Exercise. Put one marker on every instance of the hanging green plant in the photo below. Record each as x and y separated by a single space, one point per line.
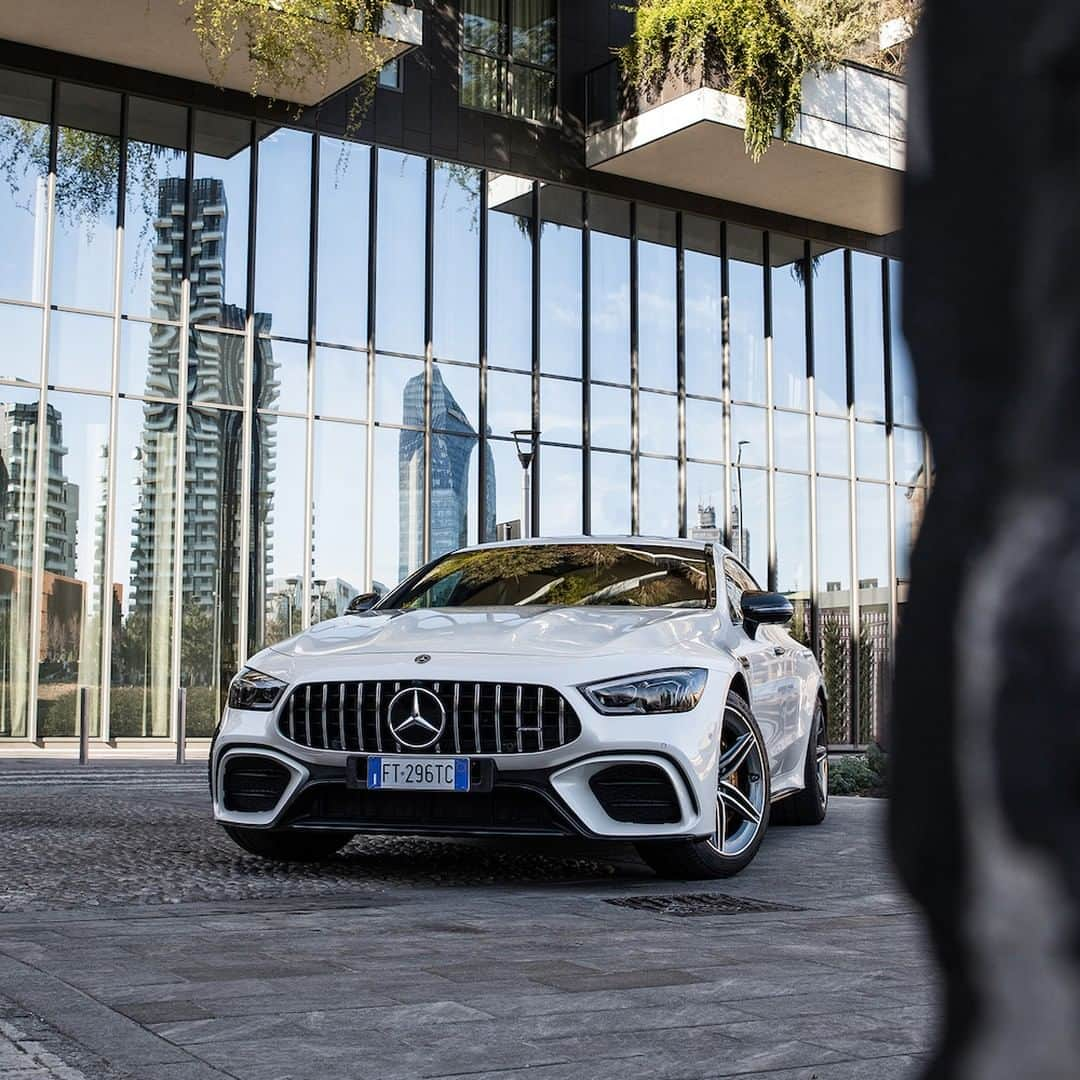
291 44
757 49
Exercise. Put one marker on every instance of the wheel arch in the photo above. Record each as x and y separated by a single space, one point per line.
739 686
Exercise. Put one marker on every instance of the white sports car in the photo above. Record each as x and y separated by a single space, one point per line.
618 688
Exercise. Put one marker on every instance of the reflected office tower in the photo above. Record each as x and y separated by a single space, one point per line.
706 528
453 439
214 372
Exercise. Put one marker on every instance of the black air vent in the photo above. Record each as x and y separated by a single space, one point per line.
254 784
638 794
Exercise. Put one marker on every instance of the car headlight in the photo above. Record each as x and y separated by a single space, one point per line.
253 690
654 692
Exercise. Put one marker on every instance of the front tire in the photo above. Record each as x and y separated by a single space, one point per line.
809 806
742 807
311 846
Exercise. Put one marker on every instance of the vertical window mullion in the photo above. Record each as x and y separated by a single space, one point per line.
635 379
309 442
534 512
680 362
482 342
586 369
369 479
429 290
725 364
853 522
770 462
811 403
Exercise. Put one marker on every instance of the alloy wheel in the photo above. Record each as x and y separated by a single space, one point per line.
821 756
740 793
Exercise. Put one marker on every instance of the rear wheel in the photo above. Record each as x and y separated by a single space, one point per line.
808 807
289 846
742 806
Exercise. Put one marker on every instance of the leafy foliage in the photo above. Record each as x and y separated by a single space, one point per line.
291 42
859 774
757 49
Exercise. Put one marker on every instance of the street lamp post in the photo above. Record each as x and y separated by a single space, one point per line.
290 598
742 522
320 585
524 441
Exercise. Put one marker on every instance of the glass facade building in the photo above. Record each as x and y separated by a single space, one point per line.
248 370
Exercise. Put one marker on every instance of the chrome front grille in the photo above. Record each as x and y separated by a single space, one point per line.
481 717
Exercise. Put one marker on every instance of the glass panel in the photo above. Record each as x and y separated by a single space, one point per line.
560 491
793 549
791 435
871 451
337 528
749 440
457 263
399 318
610 421
282 245
830 365
502 497
142 570
390 74
87 178
610 482
20 331
658 423
560 281
71 601
341 383
510 272
211 568
657 330
704 320
788 321
609 328
154 209
281 380
534 94
747 314
867 324
705 429
399 391
834 600
455 395
277 540
397 532
750 507
908 449
220 220
509 402
482 25
533 31
149 355
18 460
905 401
24 164
872 525
482 80
80 350
659 497
216 365
342 258
910 504
832 446
454 469
560 410
705 501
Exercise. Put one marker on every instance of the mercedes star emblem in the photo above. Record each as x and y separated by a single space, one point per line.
416 718
423 658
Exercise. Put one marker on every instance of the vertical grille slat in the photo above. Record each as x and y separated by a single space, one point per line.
321 716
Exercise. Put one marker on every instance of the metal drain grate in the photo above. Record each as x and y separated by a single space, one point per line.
685 904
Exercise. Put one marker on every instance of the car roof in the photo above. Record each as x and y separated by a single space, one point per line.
666 541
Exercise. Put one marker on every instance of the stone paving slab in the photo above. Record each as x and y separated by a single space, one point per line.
154 950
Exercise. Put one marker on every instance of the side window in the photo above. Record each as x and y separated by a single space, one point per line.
737 581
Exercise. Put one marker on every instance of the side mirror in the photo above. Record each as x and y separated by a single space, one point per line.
364 601
759 608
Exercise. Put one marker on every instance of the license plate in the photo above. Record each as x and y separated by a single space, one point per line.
418 774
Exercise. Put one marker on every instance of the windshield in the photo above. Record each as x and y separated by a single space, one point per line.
549 575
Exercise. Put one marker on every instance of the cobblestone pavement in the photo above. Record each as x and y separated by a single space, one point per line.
137 942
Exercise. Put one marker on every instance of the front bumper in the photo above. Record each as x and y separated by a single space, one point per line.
562 791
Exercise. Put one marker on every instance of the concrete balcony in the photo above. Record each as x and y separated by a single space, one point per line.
156 35
841 165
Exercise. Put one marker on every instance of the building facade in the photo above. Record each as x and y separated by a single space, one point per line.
255 362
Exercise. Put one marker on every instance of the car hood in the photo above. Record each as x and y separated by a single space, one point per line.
568 632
